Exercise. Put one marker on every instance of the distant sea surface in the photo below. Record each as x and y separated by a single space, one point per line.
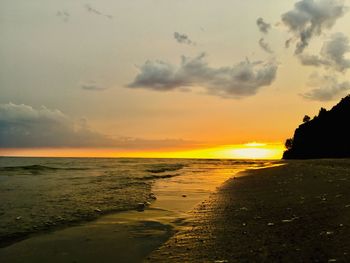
39 194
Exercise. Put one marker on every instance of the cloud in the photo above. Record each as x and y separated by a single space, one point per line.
92 86
22 126
334 51
263 26
130 143
328 88
183 39
312 60
287 43
92 10
332 55
310 18
265 46
241 80
64 15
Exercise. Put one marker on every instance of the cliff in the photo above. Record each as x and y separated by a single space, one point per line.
325 136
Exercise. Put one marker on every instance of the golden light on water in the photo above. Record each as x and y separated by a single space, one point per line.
252 150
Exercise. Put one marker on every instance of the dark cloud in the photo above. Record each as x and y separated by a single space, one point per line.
183 39
265 46
92 86
22 126
335 50
263 26
241 80
312 60
327 88
310 18
93 10
287 43
64 15
332 55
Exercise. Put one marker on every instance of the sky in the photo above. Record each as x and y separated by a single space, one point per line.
186 78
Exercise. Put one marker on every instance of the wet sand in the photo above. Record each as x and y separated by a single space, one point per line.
120 237
125 236
299 212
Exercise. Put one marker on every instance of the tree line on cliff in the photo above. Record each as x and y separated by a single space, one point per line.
327 135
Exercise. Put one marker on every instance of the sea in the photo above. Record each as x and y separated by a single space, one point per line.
44 194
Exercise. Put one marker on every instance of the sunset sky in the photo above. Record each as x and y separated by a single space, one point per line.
159 78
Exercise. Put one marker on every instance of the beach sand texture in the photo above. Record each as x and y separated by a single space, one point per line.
128 236
299 212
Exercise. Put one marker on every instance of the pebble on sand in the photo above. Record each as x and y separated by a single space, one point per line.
141 207
290 220
152 196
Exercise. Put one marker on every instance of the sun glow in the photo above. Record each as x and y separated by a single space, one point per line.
254 144
252 150
252 153
241 151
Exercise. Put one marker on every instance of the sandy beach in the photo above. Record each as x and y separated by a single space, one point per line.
298 212
128 236
295 212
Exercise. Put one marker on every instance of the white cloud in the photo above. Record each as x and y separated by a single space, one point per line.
311 18
332 55
92 86
327 88
183 39
22 126
94 11
64 15
265 46
241 80
263 26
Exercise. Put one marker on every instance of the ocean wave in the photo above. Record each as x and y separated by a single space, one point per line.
163 176
161 168
37 167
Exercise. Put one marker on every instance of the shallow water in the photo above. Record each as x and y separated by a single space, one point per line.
44 193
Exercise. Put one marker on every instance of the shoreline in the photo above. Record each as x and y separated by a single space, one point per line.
143 232
298 212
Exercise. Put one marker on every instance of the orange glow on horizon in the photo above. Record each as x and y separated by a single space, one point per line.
252 150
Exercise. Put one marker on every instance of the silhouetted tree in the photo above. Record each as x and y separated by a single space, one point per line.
306 118
289 143
325 136
322 112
